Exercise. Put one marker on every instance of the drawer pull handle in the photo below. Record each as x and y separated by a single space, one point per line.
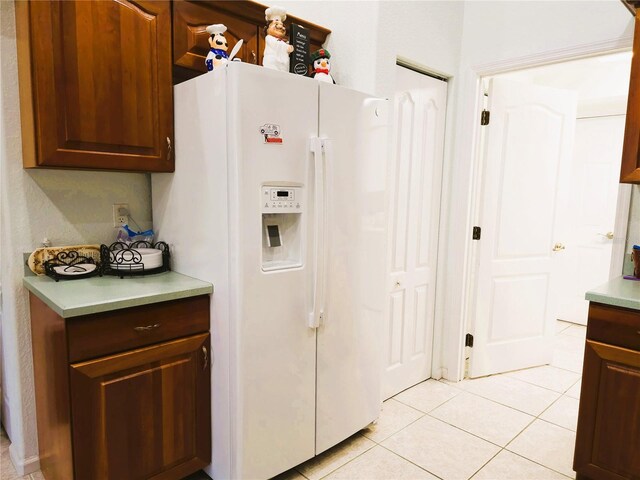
206 357
146 328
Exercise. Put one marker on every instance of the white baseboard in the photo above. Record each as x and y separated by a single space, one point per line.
5 414
24 466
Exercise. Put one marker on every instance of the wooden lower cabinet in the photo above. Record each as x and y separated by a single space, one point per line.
138 412
608 434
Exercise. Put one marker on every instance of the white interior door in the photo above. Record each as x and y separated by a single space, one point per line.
415 187
527 164
592 202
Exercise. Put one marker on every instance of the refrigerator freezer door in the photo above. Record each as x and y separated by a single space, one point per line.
274 364
348 345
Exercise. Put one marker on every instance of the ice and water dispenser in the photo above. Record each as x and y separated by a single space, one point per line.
282 208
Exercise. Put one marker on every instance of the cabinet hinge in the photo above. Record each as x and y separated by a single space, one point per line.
468 340
477 233
484 117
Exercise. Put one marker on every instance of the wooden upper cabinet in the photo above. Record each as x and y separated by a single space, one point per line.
244 20
96 84
630 169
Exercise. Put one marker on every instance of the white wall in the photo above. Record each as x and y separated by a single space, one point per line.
352 41
68 207
496 33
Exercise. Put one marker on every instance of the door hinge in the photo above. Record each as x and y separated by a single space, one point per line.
484 117
468 340
477 233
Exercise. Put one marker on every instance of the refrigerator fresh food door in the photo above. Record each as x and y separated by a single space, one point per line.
272 117
354 128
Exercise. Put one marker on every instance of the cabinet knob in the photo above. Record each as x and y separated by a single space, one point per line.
254 56
205 353
146 328
557 247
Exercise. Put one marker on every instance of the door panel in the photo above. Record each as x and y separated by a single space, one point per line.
157 402
275 367
348 340
102 84
415 183
593 199
523 215
608 436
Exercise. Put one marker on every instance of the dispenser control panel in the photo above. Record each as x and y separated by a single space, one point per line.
281 199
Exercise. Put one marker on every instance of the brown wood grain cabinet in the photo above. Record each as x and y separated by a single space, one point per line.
244 20
608 433
96 87
630 168
135 408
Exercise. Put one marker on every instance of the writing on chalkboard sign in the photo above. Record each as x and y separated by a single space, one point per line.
299 61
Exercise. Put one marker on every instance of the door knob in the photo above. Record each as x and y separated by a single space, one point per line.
557 247
609 235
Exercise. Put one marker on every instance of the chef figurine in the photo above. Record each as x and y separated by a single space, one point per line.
321 65
276 50
218 54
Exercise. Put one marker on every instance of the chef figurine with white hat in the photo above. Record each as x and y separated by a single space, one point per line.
218 54
276 50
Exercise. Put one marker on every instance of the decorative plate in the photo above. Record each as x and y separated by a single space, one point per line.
41 255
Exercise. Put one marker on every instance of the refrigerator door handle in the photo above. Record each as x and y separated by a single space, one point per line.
316 314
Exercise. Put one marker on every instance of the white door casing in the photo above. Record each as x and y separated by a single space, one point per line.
415 181
526 168
592 203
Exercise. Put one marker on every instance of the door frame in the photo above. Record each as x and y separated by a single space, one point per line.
458 247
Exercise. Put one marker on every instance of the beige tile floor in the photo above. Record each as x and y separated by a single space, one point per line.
515 426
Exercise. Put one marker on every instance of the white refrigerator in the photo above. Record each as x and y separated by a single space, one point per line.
278 199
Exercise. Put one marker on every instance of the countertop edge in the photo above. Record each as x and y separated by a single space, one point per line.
205 288
51 304
617 292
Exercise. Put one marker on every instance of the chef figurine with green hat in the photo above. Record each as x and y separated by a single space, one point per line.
276 49
321 65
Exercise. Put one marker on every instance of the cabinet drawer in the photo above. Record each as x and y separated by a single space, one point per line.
614 325
101 334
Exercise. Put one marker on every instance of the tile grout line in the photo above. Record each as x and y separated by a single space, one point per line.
508 374
346 463
509 406
411 462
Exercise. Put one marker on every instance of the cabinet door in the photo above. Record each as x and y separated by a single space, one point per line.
191 40
143 413
630 170
608 434
96 85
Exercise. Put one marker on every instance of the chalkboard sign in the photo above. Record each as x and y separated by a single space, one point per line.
299 38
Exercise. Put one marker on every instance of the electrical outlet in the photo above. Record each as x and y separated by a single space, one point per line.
120 214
